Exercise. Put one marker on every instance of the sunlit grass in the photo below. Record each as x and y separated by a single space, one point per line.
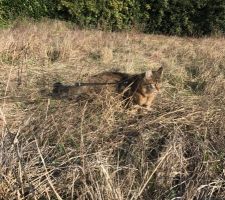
59 149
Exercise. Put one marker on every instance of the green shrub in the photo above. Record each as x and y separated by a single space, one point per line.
10 9
210 17
173 17
110 15
184 17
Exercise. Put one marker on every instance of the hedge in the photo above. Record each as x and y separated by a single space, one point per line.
173 17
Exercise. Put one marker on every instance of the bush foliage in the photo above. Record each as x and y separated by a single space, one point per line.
112 14
175 17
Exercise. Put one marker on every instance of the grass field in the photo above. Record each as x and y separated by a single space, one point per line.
59 149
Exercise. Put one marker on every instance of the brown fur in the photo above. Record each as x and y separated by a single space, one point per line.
139 89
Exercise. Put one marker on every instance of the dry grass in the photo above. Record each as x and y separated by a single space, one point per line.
52 149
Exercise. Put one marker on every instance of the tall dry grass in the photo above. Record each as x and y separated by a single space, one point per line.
58 149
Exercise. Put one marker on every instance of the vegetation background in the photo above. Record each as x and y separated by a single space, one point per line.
179 17
96 149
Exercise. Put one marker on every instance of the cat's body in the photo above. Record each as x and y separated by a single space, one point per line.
139 89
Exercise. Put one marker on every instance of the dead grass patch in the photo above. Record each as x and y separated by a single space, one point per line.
59 149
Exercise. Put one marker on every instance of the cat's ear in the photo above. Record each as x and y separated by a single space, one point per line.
156 75
148 74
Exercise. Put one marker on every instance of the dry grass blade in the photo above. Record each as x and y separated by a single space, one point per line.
46 172
145 183
94 148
